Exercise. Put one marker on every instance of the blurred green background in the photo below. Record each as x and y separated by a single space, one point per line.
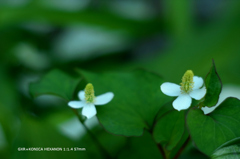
164 36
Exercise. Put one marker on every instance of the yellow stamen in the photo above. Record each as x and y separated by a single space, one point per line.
89 93
187 82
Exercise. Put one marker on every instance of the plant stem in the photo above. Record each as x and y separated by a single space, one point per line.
162 151
101 148
182 148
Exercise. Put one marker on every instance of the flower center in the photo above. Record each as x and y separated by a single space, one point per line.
89 93
187 82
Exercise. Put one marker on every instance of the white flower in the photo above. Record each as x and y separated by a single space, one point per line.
190 88
88 101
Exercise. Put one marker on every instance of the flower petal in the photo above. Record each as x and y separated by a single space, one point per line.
170 89
198 82
104 98
81 95
89 110
198 93
77 104
182 102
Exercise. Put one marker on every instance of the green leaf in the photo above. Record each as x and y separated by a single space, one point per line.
210 131
55 83
229 149
137 100
230 152
214 86
142 147
171 133
182 144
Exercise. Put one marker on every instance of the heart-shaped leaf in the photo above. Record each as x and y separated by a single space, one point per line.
137 100
214 86
212 130
169 129
55 83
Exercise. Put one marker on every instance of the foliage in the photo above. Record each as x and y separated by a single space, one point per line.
51 50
